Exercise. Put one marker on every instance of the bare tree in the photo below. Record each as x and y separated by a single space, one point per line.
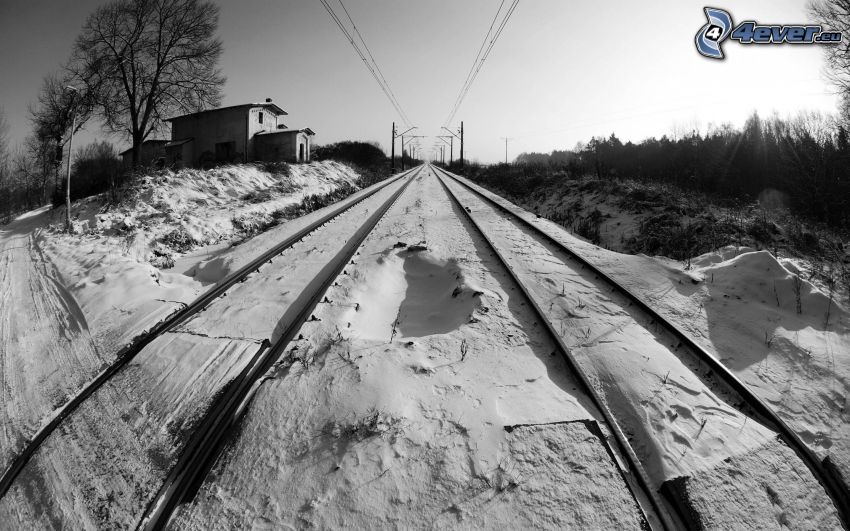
25 177
834 15
4 138
52 117
5 173
145 60
62 111
42 157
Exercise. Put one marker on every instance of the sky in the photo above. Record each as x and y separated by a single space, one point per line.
561 71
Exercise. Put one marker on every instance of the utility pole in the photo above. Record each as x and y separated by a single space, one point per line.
461 144
506 148
392 153
70 147
412 147
451 145
402 143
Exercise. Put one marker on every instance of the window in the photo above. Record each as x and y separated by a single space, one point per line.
260 116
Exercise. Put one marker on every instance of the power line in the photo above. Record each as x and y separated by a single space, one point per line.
477 56
350 38
378 68
480 59
372 67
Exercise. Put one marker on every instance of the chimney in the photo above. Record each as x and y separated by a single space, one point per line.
268 100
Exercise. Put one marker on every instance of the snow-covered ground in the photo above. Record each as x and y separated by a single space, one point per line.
741 305
680 422
424 393
110 457
68 303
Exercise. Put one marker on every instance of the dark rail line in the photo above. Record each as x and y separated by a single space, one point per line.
127 353
209 437
828 478
654 513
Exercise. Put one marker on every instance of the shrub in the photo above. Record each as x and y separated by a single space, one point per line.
179 240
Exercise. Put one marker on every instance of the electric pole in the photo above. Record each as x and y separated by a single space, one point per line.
461 144
392 153
451 145
506 148
402 144
448 142
412 147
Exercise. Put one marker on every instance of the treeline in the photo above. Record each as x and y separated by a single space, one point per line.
367 157
806 158
34 173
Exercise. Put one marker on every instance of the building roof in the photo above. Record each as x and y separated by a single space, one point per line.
145 143
276 131
180 142
266 104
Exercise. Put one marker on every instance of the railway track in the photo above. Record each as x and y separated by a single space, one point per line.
208 438
636 475
128 353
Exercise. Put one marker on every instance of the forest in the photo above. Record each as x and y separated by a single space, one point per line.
805 159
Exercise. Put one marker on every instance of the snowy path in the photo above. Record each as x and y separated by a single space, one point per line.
461 417
46 351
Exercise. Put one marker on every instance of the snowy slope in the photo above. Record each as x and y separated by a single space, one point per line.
68 303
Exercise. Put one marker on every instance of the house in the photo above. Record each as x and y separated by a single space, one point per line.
240 133
153 153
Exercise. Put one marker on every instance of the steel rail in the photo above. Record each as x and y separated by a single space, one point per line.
209 437
827 477
635 477
127 353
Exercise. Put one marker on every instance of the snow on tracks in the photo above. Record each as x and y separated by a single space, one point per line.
119 418
381 417
679 419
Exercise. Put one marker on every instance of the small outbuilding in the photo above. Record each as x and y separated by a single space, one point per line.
240 133
153 154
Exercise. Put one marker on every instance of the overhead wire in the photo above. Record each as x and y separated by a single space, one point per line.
478 55
377 67
480 58
373 66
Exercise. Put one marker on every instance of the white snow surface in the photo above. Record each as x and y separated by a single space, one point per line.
728 303
392 410
69 303
425 394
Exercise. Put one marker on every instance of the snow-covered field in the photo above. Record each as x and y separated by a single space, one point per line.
424 393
